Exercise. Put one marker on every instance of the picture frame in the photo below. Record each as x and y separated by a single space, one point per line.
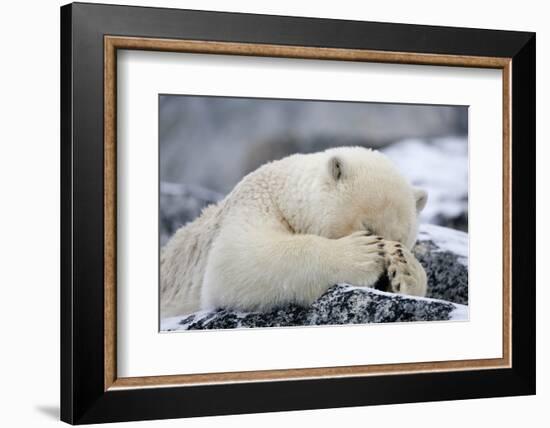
91 35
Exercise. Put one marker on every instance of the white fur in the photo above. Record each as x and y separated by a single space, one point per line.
293 228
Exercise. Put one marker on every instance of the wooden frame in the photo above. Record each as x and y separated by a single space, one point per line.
513 53
112 43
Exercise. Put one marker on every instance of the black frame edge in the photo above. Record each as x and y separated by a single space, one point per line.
524 213
306 31
66 130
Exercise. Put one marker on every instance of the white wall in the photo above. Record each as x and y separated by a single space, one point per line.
29 242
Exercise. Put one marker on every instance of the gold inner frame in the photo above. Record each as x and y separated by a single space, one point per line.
112 43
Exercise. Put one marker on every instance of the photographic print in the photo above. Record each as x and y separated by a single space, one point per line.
286 212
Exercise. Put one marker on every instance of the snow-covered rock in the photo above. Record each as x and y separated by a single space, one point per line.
341 304
444 254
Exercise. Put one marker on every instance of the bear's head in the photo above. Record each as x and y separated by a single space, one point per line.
346 189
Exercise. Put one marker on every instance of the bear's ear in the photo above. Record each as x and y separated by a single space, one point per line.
420 197
335 168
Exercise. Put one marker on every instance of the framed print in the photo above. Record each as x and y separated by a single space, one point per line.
266 213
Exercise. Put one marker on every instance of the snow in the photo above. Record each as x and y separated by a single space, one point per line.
461 313
439 166
174 323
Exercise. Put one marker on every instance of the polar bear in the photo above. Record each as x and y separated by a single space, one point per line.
293 228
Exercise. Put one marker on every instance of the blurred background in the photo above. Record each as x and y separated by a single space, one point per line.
207 144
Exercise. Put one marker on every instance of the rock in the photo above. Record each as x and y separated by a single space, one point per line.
341 304
443 253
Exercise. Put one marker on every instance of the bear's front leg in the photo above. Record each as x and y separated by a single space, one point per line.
405 273
257 270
